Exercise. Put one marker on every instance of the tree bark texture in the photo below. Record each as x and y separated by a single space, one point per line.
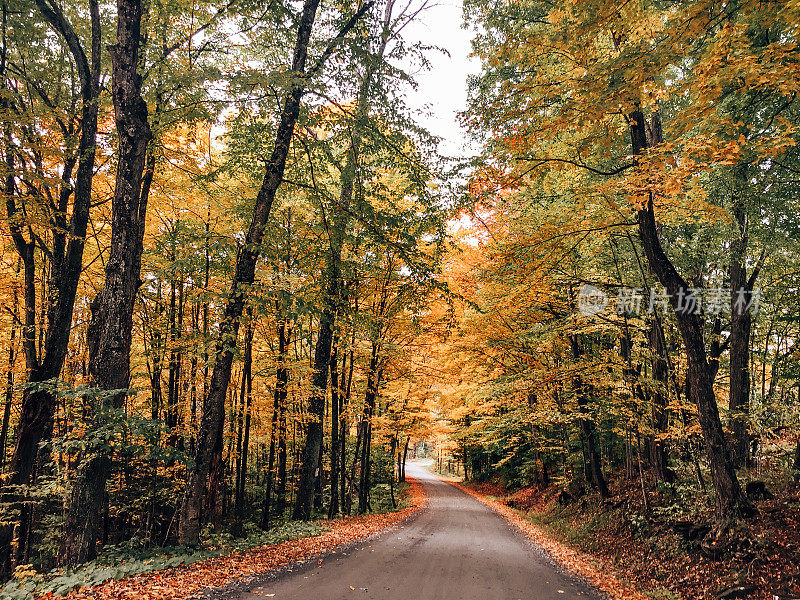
730 499
110 329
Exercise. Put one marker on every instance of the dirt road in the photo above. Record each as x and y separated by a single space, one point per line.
454 549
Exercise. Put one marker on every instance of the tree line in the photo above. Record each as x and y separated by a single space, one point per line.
221 227
628 281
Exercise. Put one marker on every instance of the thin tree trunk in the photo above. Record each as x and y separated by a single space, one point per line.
319 482
347 506
155 375
244 429
333 508
214 409
405 457
366 466
593 464
630 468
316 404
391 469
373 383
175 360
645 498
741 326
657 447
193 386
266 512
246 442
170 416
345 402
281 397
9 391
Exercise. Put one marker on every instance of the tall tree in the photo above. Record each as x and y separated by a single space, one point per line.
332 276
730 497
110 330
68 235
214 407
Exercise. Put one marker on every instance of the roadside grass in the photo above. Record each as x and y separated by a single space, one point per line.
132 558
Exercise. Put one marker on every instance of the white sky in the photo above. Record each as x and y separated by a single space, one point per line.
442 91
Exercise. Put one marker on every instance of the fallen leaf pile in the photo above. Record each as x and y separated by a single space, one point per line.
573 560
188 581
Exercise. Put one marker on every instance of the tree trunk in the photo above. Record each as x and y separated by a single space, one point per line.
405 457
281 395
266 513
741 325
155 375
391 469
213 417
657 447
9 394
333 508
316 404
109 332
366 466
373 383
7 529
193 386
66 261
593 463
246 405
319 482
175 360
347 505
345 402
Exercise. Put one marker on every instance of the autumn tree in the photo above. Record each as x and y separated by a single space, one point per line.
213 413
48 197
595 74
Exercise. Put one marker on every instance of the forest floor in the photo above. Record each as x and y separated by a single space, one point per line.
616 538
193 580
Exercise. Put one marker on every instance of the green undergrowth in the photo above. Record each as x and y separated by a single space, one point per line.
562 525
381 498
134 558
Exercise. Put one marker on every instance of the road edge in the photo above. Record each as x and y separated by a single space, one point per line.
210 577
242 584
573 561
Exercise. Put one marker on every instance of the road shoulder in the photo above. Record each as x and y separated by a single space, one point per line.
573 561
206 578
